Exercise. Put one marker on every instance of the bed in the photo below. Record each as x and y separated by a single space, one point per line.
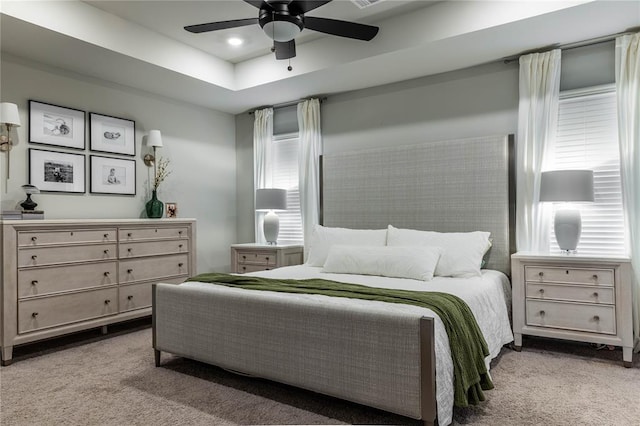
392 357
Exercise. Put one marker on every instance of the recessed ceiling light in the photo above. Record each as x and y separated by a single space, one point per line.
235 41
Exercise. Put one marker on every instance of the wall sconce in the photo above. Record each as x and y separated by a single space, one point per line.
153 140
10 118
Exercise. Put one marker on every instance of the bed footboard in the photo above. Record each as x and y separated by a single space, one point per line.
384 360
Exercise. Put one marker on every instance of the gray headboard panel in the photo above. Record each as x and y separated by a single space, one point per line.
446 186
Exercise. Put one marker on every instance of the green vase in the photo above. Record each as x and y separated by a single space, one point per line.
154 207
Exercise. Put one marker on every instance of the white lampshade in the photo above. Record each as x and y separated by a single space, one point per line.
567 185
271 199
9 114
154 139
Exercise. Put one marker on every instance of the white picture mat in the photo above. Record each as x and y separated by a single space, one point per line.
56 125
44 166
113 175
112 134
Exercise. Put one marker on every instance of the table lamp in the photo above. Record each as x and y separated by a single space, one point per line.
270 199
567 186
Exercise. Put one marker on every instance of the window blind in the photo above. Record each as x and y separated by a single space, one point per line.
587 138
285 176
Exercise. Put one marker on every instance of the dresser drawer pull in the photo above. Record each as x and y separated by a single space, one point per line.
129 234
596 318
542 313
106 235
541 274
106 302
129 297
129 271
106 274
34 239
33 315
595 277
156 230
106 251
541 291
34 257
34 282
180 246
595 294
179 232
128 250
244 257
267 258
180 265
71 233
244 268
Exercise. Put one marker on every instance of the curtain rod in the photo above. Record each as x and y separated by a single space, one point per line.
287 104
574 45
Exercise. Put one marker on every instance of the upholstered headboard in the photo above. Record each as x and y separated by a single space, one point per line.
446 186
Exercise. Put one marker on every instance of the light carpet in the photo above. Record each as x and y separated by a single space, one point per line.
89 379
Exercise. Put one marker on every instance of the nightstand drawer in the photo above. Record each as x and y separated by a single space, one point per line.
256 258
243 269
569 275
571 316
573 293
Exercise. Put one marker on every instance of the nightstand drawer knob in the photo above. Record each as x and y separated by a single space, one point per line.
106 235
106 274
244 268
542 313
34 282
33 315
596 318
34 239
244 257
541 291
267 258
180 265
129 297
595 277
541 274
595 294
106 302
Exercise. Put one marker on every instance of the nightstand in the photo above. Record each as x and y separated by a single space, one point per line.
262 257
573 297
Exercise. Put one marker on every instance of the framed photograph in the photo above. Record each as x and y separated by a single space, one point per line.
53 171
171 210
112 134
113 176
55 125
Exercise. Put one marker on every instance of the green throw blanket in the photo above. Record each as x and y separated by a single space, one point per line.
468 347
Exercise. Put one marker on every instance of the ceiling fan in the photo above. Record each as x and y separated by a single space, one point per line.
283 20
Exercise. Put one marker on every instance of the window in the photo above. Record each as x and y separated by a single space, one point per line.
587 138
285 176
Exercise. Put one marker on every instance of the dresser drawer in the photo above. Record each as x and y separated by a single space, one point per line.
256 258
153 268
40 281
569 275
51 255
152 233
44 312
243 269
138 296
571 316
604 295
69 236
151 248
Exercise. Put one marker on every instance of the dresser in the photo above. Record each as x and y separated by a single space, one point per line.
573 297
63 276
262 257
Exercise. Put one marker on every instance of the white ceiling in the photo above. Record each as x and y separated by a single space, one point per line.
142 44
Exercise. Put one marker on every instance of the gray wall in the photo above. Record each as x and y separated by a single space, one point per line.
477 101
199 142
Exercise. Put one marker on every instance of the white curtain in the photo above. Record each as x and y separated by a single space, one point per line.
628 93
537 119
309 164
262 160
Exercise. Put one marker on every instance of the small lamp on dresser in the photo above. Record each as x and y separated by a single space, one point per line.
567 186
271 199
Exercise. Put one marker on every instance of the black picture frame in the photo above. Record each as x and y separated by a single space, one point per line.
55 171
112 135
55 125
111 175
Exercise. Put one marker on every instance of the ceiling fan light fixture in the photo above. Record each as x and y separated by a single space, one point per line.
282 30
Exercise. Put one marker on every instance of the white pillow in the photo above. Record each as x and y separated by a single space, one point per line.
324 237
462 252
417 263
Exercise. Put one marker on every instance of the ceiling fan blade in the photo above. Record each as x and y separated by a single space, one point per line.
298 7
285 49
222 25
256 3
341 28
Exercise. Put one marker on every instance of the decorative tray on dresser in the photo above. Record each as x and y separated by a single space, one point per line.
63 276
573 297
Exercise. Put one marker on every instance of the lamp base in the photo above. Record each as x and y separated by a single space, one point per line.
567 226
271 227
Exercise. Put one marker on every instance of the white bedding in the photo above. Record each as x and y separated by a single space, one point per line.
488 296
